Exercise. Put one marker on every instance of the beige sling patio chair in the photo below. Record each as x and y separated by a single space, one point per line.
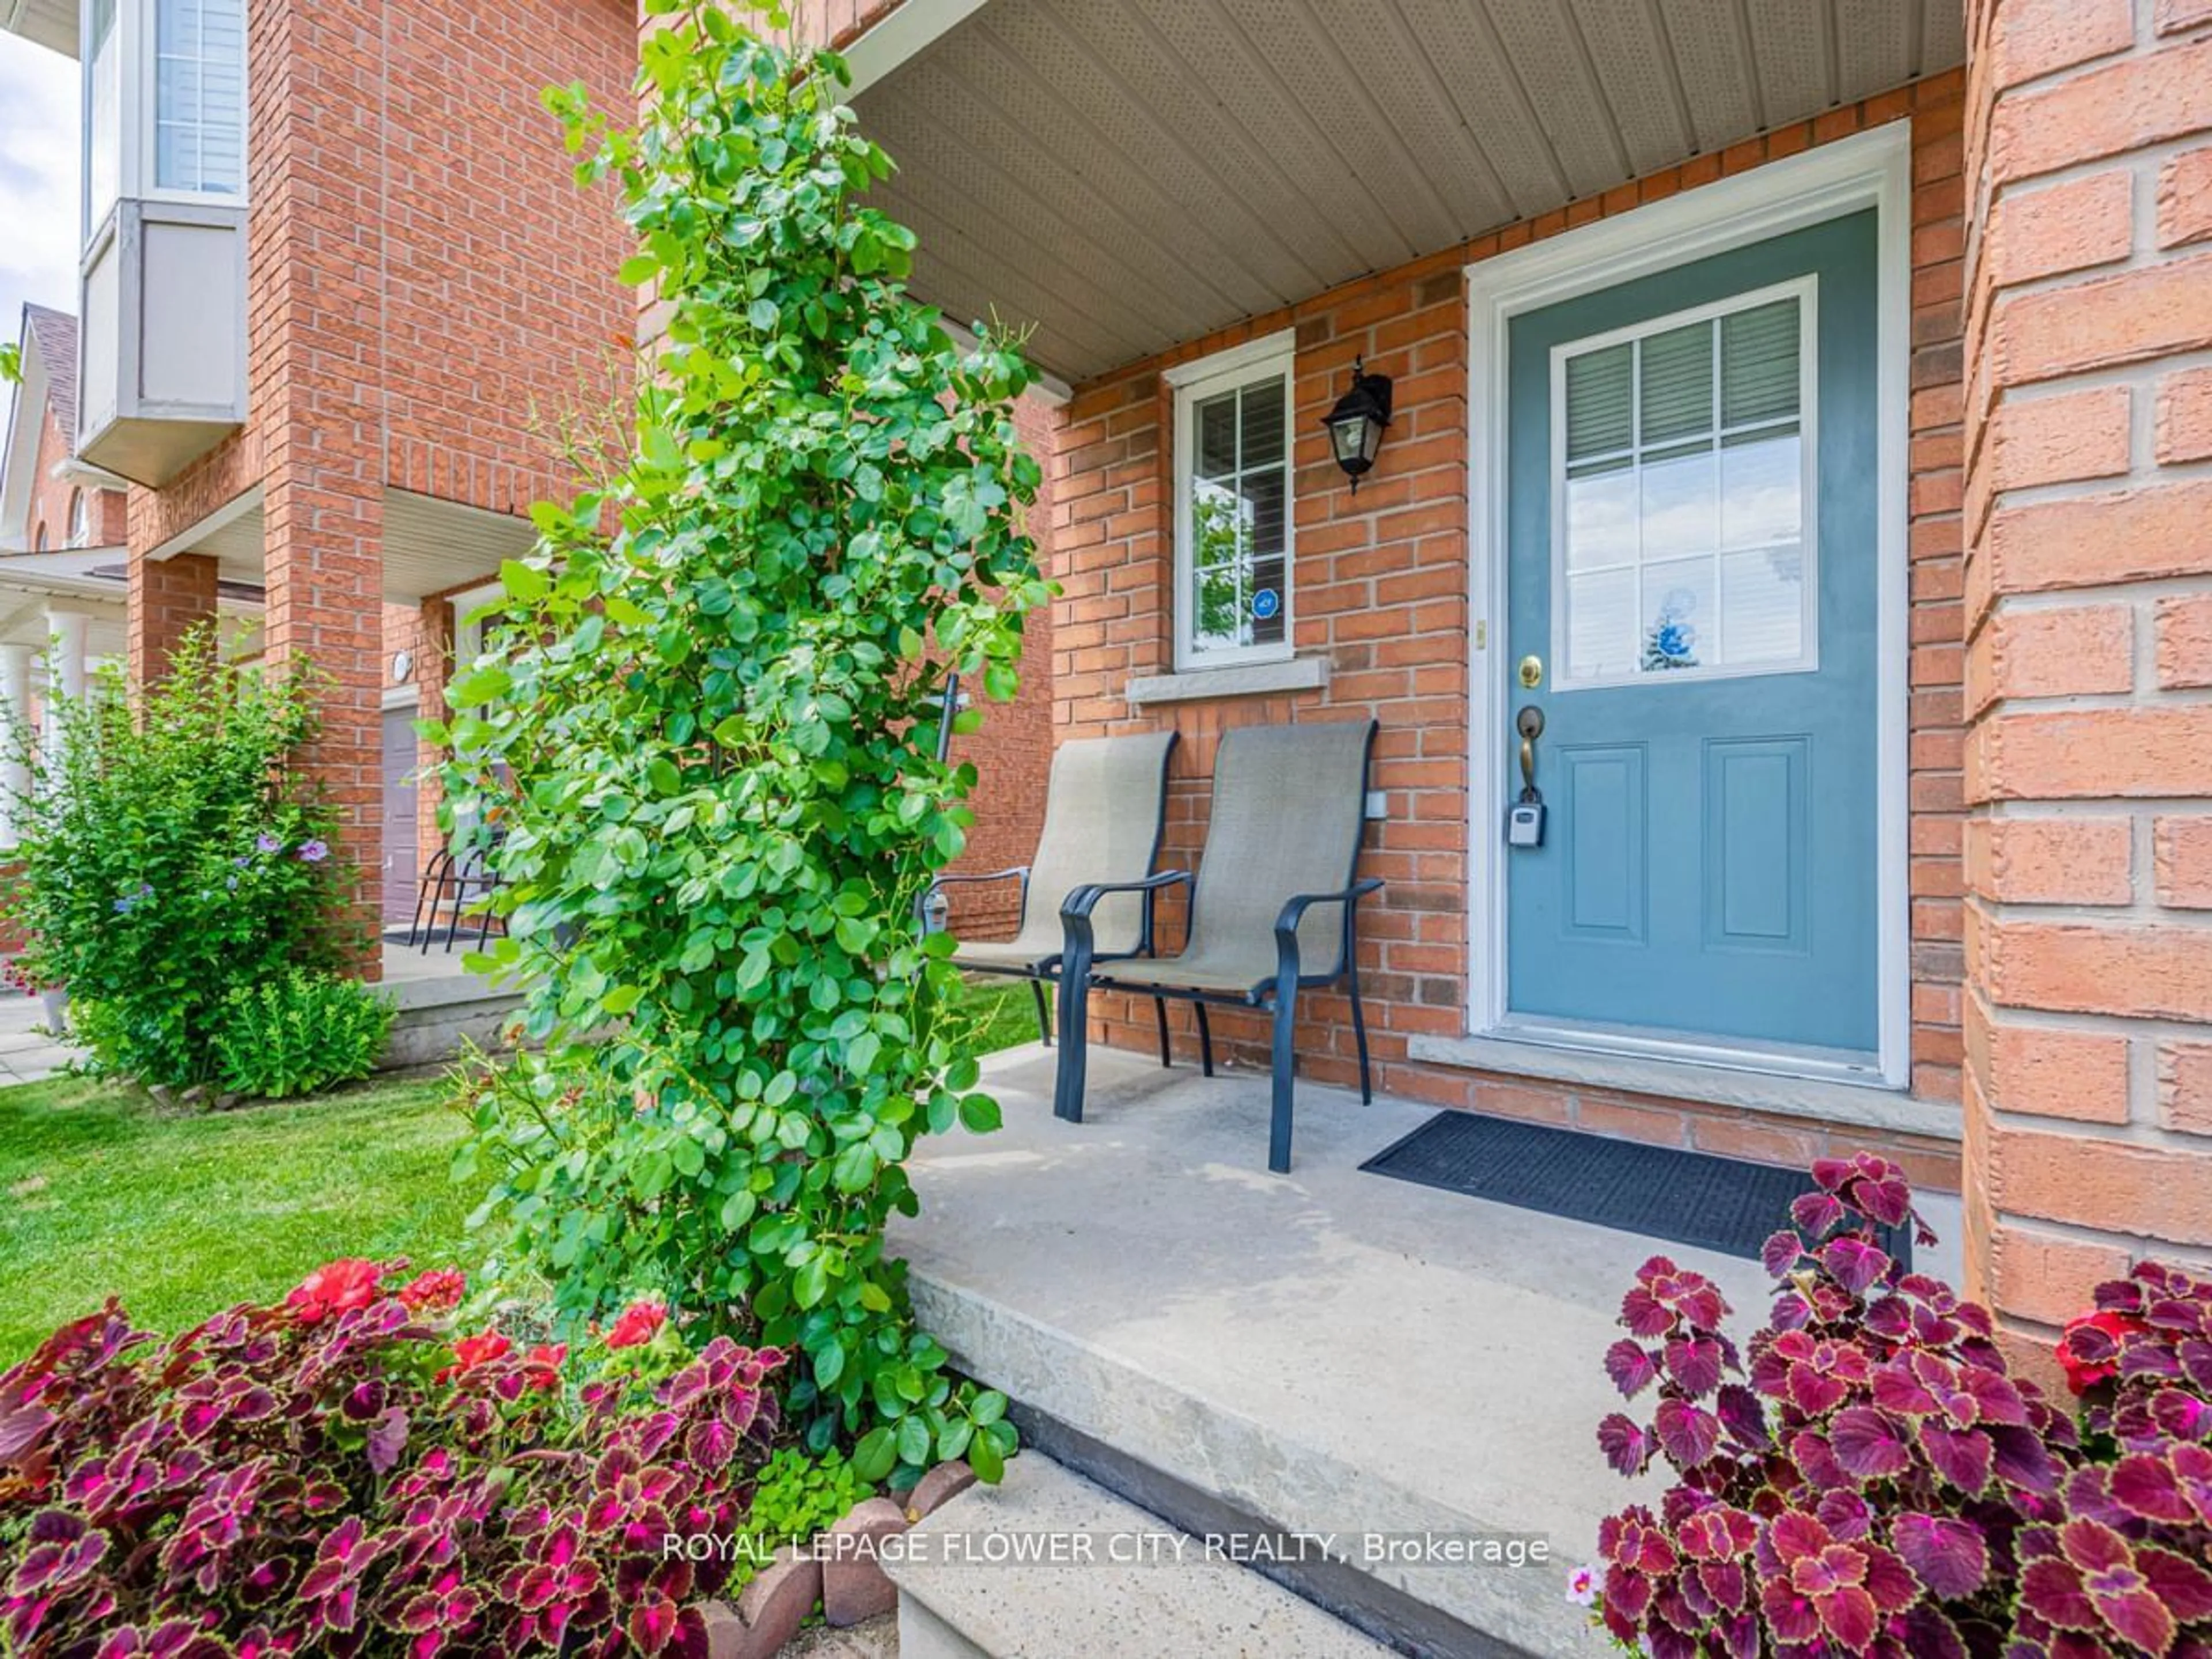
1105 801
1273 907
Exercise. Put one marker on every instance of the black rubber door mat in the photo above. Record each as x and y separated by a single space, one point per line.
1662 1192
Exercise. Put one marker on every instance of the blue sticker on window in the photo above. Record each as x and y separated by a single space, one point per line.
1265 603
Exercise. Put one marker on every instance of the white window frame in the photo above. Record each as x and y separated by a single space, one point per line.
1806 291
1195 382
137 24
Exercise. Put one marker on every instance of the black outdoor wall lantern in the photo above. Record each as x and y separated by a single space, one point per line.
1355 425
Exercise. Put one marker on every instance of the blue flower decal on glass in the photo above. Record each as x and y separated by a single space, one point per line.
1672 639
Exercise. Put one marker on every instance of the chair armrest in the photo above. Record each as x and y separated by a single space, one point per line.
1294 911
1085 899
1075 913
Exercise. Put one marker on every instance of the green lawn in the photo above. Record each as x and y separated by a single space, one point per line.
183 1213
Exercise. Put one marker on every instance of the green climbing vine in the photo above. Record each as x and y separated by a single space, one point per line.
706 744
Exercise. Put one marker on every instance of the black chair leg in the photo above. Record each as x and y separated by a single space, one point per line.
1074 1035
1160 1013
1279 1132
423 889
1204 1040
1044 1013
437 898
1360 1036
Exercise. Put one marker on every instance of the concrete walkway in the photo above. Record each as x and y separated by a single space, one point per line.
28 1054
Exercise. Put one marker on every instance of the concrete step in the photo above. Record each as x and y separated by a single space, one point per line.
1047 1565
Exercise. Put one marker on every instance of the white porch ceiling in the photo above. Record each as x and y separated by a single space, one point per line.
430 545
51 23
1126 174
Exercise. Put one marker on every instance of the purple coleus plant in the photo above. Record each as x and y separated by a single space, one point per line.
1867 1476
1856 1480
345 1475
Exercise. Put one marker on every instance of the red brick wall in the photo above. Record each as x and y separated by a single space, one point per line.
173 595
2089 415
499 313
50 496
429 295
1382 590
1012 753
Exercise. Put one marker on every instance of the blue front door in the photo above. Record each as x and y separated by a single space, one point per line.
1693 521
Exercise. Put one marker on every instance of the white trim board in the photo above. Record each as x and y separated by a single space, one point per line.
1872 169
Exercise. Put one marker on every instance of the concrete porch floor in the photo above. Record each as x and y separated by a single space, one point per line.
1325 1351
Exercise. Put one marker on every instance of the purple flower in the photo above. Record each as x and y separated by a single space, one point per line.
266 842
313 852
130 902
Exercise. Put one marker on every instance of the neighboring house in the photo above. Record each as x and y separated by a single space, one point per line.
337 315
1803 407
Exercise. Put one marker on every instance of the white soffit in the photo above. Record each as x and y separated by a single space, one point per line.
50 23
1126 175
430 545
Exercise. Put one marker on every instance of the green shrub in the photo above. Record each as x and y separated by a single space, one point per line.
170 858
298 1033
710 743
798 1495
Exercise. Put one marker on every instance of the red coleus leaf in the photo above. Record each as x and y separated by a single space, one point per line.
1853 1264
1720 1533
1686 1434
1781 1252
1626 1446
1644 1315
2146 1487
1868 1445
1790 1616
1743 1416
2182 1584
2130 1608
1850 1616
1695 1363
1929 1634
1899 1393
1961 1457
1630 1366
1816 1213
2022 1459
1949 1555
710 1445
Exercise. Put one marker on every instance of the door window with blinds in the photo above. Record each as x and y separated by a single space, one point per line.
1682 495
1232 436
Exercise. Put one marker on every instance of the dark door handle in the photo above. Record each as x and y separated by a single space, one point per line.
1529 723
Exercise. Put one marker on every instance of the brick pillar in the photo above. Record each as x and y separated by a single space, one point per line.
323 571
320 209
167 597
2089 623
